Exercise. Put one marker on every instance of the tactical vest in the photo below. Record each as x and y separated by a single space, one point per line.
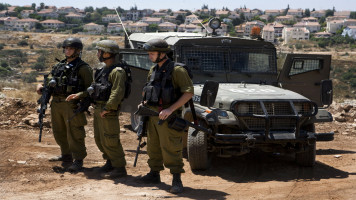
102 86
159 91
67 79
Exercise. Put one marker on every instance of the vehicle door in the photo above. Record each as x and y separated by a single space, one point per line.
304 73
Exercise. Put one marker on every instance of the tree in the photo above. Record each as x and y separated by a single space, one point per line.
39 26
152 28
255 32
33 6
307 12
242 16
89 9
42 5
3 6
205 6
353 15
180 19
329 13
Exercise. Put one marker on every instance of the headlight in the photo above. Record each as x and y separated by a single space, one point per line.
304 108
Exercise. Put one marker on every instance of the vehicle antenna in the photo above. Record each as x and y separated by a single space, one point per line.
131 45
202 24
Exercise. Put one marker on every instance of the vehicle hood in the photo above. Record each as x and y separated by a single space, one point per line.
231 92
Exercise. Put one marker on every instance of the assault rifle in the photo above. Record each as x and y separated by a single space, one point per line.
174 121
141 132
43 101
83 106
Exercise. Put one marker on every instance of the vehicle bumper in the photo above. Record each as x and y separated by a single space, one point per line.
273 137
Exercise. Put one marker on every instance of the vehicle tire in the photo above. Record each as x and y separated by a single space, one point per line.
135 121
307 158
197 150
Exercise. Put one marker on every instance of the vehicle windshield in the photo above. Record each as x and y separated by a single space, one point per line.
227 60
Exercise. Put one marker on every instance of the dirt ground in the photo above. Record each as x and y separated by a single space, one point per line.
26 173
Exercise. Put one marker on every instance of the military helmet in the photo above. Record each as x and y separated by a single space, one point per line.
73 42
109 46
156 45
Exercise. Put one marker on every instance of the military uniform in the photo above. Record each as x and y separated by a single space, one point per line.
164 145
70 135
107 130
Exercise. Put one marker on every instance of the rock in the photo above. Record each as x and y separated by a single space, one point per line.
347 108
32 120
339 117
2 96
338 156
122 130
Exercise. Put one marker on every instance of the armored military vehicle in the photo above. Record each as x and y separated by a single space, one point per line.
240 95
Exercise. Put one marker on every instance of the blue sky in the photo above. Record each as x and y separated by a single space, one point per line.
196 4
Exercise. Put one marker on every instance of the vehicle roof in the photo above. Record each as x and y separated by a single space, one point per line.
170 37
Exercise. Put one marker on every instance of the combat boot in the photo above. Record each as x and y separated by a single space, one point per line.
106 168
63 158
151 177
177 186
117 172
76 166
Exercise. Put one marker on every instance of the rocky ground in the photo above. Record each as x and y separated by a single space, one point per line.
25 172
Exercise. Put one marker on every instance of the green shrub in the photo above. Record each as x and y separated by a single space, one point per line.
298 46
22 43
29 78
353 82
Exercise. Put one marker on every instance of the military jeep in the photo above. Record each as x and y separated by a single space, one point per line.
246 103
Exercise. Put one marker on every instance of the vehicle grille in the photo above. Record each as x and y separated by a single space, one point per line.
280 115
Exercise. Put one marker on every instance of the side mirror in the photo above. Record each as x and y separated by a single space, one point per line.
326 92
208 95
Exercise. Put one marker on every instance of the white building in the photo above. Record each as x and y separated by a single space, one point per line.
189 19
52 23
272 12
350 31
94 28
268 33
110 18
49 13
26 13
295 12
138 27
334 25
318 13
114 28
66 10
167 27
25 24
152 20
295 33
283 19
72 15
311 26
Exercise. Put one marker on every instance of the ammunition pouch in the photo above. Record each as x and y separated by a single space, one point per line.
101 92
177 124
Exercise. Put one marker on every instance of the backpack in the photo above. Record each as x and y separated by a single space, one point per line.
128 81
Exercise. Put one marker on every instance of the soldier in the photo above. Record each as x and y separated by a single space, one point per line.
168 88
108 91
70 78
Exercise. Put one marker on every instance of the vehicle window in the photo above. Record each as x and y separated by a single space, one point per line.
204 59
228 60
137 60
250 62
304 65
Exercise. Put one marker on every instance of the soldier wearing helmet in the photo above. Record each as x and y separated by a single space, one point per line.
108 91
168 88
69 80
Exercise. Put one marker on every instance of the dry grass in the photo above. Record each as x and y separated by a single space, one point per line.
25 91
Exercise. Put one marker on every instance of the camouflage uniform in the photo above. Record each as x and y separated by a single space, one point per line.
164 145
107 130
70 135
